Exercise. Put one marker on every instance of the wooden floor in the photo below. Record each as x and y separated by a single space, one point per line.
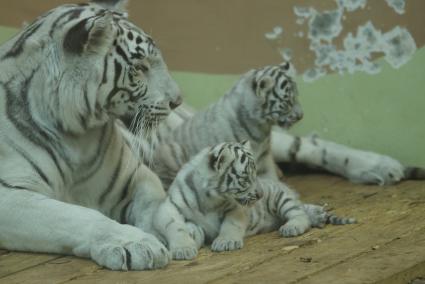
387 246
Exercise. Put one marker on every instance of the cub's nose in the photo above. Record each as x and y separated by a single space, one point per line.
258 195
177 102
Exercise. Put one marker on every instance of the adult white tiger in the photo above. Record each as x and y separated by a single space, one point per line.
67 174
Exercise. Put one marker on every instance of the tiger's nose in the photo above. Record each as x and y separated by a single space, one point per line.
177 102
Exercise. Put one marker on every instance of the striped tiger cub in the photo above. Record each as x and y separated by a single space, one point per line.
69 181
261 99
216 198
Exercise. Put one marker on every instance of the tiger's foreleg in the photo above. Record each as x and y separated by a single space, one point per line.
172 227
356 165
319 216
152 212
281 202
232 231
30 221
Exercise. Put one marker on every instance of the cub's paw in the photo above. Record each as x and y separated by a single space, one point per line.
295 227
317 214
221 244
196 233
130 249
184 252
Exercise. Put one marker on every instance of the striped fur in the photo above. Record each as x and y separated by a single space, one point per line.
256 109
218 194
259 100
67 173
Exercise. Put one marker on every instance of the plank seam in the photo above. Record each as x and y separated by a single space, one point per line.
30 267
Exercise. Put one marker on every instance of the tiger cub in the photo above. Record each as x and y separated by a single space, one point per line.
221 200
261 99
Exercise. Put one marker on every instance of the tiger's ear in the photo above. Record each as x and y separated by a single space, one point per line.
217 161
262 85
90 36
288 68
247 145
113 5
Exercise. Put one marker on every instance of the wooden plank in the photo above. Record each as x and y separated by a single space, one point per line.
335 248
268 258
11 263
3 251
382 264
385 216
52 271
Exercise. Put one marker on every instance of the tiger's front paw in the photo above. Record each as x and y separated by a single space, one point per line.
222 244
295 227
184 252
130 249
196 233
183 248
375 169
317 215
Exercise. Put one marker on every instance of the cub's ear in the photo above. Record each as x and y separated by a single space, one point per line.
262 85
247 145
93 35
113 5
288 68
219 159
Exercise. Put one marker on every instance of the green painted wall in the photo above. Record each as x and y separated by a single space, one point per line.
383 112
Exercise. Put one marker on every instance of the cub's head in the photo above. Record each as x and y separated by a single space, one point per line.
235 170
275 95
98 66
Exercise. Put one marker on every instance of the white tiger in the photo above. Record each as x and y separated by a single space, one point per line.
216 198
68 177
260 106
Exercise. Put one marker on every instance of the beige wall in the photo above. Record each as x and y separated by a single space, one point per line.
227 36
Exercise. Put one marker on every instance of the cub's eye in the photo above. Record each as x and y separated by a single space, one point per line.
142 67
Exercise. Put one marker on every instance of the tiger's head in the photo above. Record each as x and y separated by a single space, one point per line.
234 168
275 95
93 65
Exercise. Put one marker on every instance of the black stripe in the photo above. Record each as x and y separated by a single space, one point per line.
186 203
286 200
29 160
59 18
278 197
18 46
18 112
123 214
176 206
295 148
5 184
241 116
99 157
128 258
346 162
114 177
257 221
126 188
190 183
290 209
124 56
105 70
124 193
324 161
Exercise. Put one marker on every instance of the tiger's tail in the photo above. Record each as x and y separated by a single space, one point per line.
336 220
414 173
